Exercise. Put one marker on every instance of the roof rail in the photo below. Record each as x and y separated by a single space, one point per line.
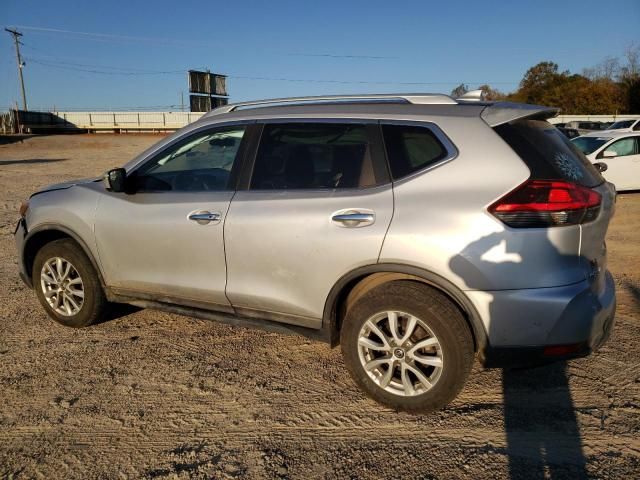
414 98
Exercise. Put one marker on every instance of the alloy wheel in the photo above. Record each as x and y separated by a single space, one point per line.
400 353
62 286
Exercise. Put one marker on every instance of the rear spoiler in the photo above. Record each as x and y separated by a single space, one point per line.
503 112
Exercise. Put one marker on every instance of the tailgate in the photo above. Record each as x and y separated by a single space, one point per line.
593 250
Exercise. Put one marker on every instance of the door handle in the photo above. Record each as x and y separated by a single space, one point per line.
204 217
354 218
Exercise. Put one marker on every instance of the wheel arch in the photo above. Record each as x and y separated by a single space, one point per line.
46 233
360 280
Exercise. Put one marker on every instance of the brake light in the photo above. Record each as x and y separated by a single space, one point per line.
547 203
562 350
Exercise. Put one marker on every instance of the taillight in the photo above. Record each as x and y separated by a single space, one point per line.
547 203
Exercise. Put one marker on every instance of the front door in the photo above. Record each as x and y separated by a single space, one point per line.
317 206
164 239
623 170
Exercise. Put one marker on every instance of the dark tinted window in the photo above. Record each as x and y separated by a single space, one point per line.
411 148
548 153
589 145
621 124
313 155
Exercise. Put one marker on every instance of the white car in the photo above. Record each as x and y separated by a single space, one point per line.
624 126
620 151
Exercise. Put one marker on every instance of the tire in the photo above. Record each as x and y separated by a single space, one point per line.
73 310
439 325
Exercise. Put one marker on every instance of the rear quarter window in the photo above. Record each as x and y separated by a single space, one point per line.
411 148
548 153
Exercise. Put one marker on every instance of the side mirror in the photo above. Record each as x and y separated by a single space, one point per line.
609 154
114 180
601 166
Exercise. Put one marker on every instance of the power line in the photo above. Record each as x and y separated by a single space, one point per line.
110 37
78 68
102 70
54 61
331 55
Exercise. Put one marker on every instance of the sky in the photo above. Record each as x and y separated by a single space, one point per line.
134 54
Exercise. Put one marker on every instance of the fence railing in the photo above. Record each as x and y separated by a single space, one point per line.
24 121
17 121
8 123
591 118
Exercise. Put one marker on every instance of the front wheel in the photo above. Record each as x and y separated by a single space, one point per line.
407 346
67 285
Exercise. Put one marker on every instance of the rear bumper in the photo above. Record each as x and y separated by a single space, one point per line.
546 325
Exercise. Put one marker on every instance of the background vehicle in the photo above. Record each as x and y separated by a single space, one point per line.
584 127
620 151
625 126
406 228
569 132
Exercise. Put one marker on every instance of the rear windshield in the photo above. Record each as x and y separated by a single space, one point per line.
589 145
621 124
548 153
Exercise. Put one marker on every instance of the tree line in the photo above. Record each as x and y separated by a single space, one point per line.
610 87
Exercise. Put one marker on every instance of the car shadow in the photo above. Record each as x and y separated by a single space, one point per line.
31 161
118 310
634 290
541 429
14 138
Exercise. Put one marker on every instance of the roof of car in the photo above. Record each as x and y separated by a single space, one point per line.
610 134
378 106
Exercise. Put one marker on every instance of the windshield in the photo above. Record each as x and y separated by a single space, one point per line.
621 124
589 145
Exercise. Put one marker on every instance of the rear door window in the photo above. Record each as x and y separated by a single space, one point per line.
314 156
548 153
411 148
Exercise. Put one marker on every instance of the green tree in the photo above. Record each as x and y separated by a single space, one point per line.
491 94
459 90
544 84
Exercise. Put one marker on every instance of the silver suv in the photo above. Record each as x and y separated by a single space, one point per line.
416 231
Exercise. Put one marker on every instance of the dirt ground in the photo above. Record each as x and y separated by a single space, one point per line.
157 395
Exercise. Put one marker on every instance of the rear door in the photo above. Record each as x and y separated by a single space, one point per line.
623 170
316 206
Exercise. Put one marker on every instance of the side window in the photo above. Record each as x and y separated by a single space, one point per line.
636 127
411 148
201 162
313 156
624 147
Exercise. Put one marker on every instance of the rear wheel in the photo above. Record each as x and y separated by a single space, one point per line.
407 346
67 285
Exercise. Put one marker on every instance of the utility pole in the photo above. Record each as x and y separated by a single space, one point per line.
17 34
208 88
